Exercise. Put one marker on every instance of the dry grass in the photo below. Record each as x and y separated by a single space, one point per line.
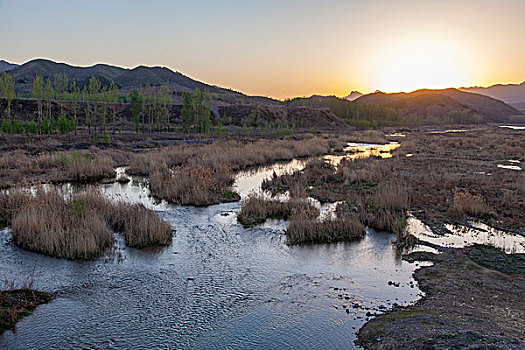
145 228
203 175
19 167
368 136
199 186
304 229
49 225
392 196
441 164
80 226
446 164
256 209
470 204
10 203
234 154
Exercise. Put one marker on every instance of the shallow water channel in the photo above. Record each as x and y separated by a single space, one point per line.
216 286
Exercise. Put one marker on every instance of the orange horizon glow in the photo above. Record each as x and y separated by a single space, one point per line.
282 49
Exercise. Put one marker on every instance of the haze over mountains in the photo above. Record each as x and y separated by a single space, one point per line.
440 103
513 94
492 103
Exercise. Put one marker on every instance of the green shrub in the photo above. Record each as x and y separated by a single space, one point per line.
6 126
31 127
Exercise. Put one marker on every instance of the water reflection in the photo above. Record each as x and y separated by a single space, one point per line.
363 151
445 131
514 127
461 236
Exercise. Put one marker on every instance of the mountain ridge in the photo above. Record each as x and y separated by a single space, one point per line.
126 78
508 93
433 102
6 66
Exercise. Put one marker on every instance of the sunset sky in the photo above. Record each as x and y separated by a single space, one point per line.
281 48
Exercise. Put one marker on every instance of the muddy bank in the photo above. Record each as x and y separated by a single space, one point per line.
474 299
17 304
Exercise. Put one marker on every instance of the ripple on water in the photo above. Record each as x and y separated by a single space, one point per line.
216 286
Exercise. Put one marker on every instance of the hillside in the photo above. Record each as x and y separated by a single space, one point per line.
354 95
440 103
126 79
519 106
510 93
5 66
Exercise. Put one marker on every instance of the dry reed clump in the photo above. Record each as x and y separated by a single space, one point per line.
10 203
304 229
86 168
361 171
391 196
145 228
470 204
81 226
316 172
256 209
388 207
17 167
200 186
50 225
141 227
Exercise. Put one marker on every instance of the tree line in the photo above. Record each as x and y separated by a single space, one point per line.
95 105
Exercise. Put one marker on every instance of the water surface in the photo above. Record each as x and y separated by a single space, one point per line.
216 286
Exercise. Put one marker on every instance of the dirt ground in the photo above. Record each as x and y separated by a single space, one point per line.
474 299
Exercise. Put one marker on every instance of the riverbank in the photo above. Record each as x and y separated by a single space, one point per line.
474 299
17 304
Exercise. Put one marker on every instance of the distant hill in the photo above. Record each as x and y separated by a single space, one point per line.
126 79
5 66
440 103
519 106
354 95
511 93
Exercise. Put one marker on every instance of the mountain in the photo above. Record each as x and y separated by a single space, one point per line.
354 95
126 79
5 66
510 93
519 106
427 103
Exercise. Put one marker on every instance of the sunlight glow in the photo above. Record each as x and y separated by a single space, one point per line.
421 63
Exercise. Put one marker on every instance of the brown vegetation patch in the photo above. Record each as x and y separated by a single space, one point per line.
203 175
448 177
78 226
19 167
256 209
305 229
470 204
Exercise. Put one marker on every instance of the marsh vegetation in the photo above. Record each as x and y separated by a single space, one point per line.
77 226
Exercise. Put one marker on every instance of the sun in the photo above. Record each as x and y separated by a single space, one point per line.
420 63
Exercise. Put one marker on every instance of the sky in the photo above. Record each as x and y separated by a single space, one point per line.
281 48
